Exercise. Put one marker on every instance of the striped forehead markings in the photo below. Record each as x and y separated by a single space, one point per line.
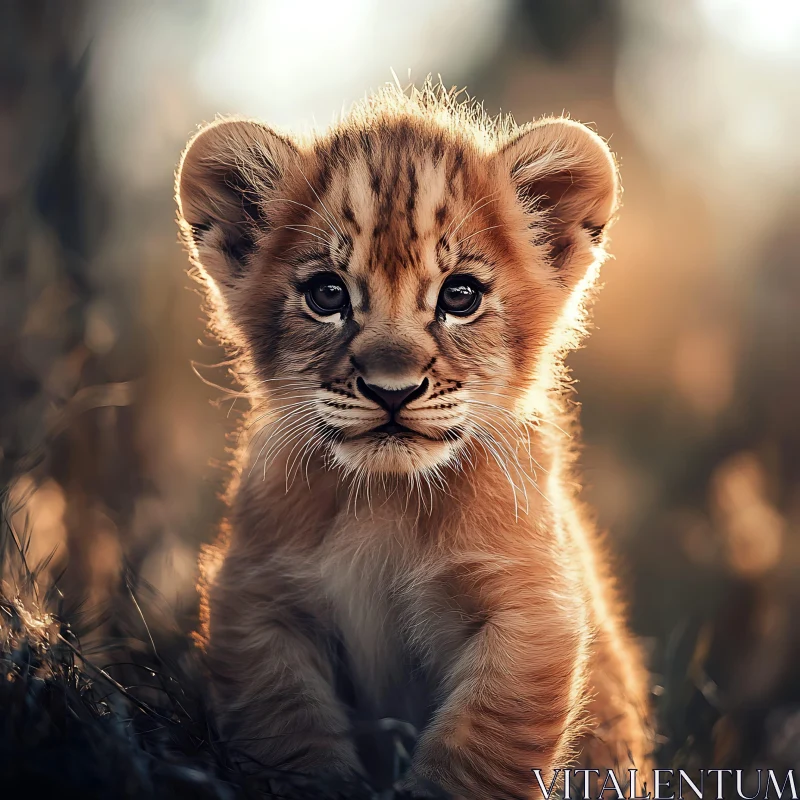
411 200
349 215
456 169
393 178
375 181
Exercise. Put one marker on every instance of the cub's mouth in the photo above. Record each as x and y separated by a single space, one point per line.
396 430
392 428
395 448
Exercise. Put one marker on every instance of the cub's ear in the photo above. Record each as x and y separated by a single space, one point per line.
566 176
228 171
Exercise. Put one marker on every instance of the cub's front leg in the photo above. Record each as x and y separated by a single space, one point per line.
272 677
513 695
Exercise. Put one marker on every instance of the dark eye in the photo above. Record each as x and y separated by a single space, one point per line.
460 296
326 295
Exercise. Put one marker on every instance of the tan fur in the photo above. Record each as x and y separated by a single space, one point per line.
458 553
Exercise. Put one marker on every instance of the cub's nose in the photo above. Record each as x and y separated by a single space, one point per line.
391 399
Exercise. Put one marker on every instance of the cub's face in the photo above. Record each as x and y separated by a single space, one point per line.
397 283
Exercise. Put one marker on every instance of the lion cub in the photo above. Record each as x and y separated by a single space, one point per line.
403 537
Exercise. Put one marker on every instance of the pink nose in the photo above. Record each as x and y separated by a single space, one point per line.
391 399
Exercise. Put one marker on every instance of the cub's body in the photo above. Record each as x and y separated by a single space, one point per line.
403 538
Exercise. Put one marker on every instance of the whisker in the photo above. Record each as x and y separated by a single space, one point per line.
295 225
482 230
519 431
331 219
303 205
290 461
470 211
511 452
489 448
275 412
532 480
533 417
308 233
293 423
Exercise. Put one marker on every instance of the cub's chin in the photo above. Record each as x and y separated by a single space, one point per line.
381 453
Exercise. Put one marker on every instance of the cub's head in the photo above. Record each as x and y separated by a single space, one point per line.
399 283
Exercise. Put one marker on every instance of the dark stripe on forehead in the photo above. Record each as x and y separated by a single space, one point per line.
365 140
323 179
337 149
413 187
411 200
349 215
456 168
368 148
437 151
386 252
375 180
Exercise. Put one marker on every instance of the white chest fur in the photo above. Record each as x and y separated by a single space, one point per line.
363 567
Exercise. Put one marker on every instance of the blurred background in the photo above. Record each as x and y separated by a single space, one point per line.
690 382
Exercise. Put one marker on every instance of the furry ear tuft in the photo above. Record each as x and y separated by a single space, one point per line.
564 169
228 169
